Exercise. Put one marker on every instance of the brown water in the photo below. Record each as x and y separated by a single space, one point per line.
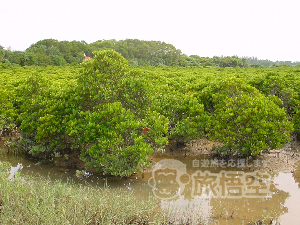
219 193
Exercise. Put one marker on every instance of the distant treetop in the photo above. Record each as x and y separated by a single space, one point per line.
137 52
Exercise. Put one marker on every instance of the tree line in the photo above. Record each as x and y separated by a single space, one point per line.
137 52
255 62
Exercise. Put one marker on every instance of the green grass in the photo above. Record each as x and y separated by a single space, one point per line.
28 200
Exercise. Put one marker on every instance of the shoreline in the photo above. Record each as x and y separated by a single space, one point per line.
285 159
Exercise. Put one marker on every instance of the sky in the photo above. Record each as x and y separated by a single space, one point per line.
266 29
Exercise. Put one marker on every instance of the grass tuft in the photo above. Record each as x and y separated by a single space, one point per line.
37 200
30 200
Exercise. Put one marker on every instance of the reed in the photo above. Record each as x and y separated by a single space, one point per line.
37 200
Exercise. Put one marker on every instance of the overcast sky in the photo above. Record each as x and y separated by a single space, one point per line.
267 29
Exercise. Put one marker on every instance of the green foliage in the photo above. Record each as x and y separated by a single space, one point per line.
113 110
187 119
103 114
36 121
227 61
43 106
102 108
254 62
7 112
285 87
137 52
18 57
114 144
4 55
142 53
296 122
53 52
245 120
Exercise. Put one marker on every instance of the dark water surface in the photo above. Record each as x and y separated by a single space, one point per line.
217 192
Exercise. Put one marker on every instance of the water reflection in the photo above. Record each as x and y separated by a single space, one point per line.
296 175
174 187
276 197
14 170
288 182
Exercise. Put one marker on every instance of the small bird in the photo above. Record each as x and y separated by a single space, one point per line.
145 130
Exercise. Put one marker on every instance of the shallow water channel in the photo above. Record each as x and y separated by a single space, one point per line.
222 192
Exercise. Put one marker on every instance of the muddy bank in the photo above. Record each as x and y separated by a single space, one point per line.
285 159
